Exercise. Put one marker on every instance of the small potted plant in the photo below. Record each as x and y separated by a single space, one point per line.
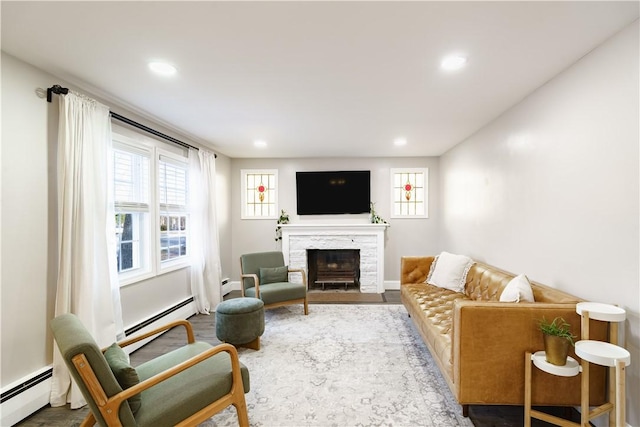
557 339
374 217
284 219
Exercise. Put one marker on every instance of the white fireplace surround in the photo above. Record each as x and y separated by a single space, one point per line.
368 238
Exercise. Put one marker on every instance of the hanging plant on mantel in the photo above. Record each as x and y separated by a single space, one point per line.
375 218
284 219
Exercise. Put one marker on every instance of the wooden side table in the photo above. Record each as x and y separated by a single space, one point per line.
606 354
539 359
589 351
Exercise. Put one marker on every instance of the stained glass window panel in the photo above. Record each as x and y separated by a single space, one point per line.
259 194
409 193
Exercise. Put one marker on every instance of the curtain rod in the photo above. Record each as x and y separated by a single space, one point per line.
59 90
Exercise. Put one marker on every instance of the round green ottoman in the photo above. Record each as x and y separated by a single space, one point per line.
240 321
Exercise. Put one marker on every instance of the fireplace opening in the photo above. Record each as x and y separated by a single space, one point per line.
334 267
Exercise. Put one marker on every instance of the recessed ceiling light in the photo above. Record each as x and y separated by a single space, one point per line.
260 143
162 68
399 142
453 62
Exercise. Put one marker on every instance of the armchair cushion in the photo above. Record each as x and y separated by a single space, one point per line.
126 375
280 291
273 274
191 390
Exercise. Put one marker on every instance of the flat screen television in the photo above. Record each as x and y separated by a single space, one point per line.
333 192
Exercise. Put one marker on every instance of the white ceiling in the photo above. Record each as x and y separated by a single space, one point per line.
313 79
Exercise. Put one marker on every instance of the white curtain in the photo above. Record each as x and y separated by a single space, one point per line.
204 245
87 273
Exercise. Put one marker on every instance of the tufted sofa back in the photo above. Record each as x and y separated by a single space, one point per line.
486 283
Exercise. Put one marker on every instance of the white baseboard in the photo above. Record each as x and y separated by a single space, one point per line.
392 285
30 400
180 314
233 286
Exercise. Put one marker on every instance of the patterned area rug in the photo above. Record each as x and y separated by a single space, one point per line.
343 365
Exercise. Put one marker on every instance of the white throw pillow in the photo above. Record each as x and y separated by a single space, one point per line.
449 271
517 290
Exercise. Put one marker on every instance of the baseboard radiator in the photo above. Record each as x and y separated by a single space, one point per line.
22 398
225 285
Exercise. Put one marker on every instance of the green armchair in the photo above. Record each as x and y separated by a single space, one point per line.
263 275
183 387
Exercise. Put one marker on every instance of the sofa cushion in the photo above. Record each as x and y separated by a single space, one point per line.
433 310
126 375
449 271
518 290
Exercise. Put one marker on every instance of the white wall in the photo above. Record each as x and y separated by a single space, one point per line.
551 188
29 232
404 237
223 180
27 265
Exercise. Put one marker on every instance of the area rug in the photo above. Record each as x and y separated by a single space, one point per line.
343 365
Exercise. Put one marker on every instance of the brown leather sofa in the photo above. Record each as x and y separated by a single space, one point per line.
479 343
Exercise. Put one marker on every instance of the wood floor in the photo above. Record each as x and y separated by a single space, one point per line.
204 329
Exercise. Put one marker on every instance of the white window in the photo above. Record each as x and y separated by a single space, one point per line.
172 190
150 186
131 201
259 196
409 193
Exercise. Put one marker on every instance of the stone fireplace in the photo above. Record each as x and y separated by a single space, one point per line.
368 239
333 267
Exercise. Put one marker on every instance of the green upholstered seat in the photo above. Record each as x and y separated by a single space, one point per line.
240 321
201 390
279 291
260 273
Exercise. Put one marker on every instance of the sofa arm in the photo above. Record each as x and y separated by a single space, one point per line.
414 269
489 342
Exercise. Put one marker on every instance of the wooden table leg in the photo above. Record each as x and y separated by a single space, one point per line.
527 389
620 394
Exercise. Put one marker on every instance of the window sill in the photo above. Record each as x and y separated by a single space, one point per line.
127 280
173 266
178 264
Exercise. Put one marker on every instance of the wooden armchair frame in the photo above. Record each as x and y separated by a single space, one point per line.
256 282
109 406
277 290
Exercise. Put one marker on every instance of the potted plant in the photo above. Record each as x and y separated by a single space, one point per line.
557 339
284 219
374 217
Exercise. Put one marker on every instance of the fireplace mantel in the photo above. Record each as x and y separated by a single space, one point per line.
368 238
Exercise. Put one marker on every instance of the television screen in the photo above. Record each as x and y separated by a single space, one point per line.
333 192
